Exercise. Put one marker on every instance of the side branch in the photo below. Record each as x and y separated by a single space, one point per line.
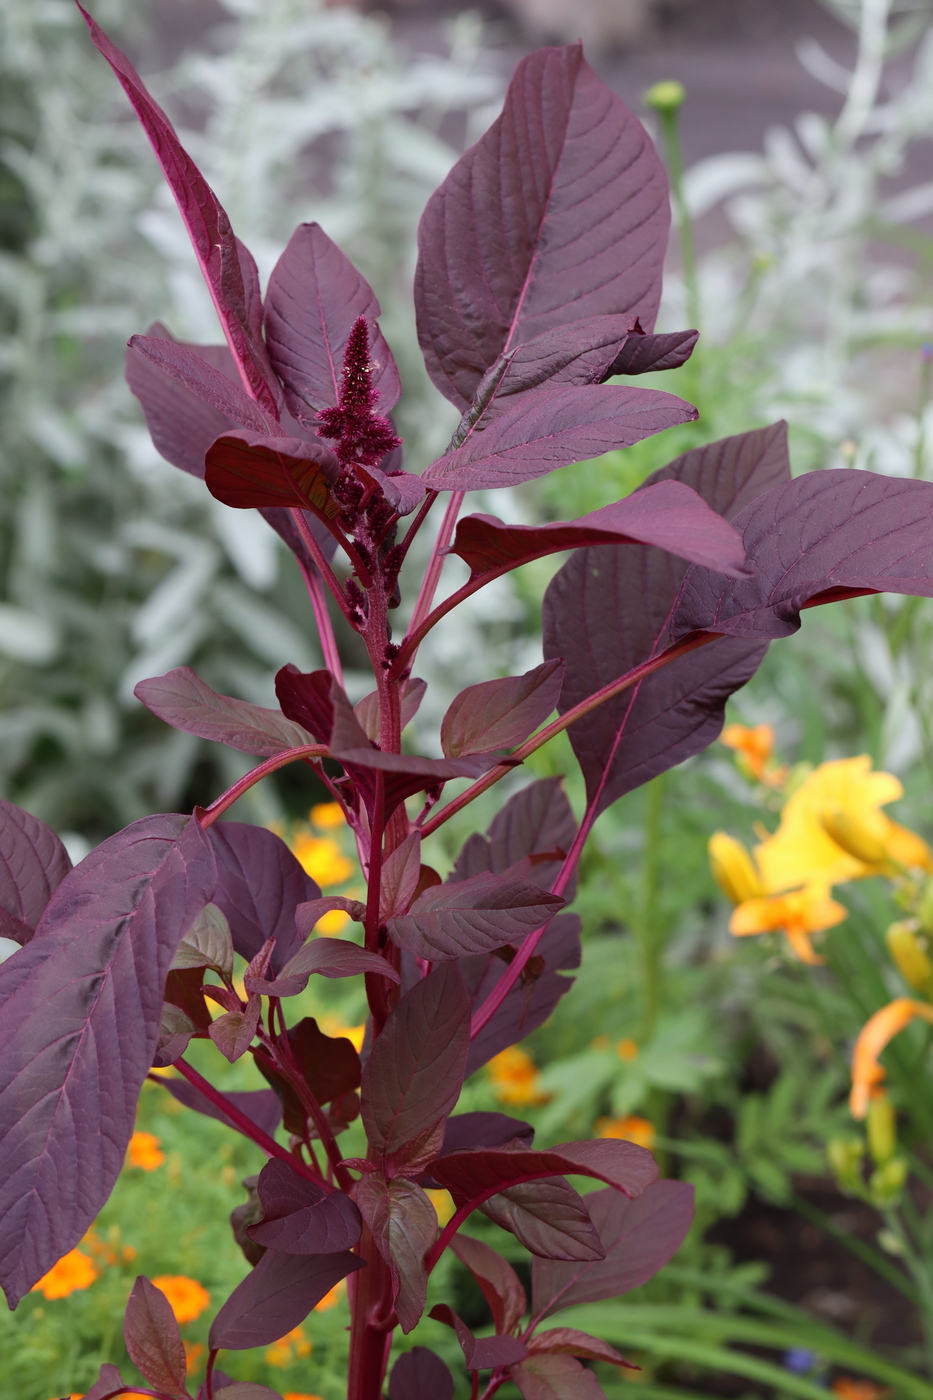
208 815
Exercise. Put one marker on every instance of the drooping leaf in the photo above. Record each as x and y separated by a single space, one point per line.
82 1006
260 885
500 1284
548 1217
300 1217
502 713
261 1106
569 1342
536 826
420 1374
639 1236
186 702
314 296
207 383
276 1296
234 1032
330 957
551 427
153 1339
476 1173
207 944
228 269
308 915
645 354
414 1073
559 212
403 1223
609 609
33 863
244 468
480 1353
329 1065
472 916
555 1377
401 872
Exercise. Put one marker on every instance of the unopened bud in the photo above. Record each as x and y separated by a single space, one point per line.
665 96
881 1123
911 957
845 1158
733 868
856 836
887 1182
925 908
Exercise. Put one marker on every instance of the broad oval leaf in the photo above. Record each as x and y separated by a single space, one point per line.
301 1218
153 1339
186 702
204 380
207 944
483 1171
536 826
480 1353
472 916
559 212
502 713
548 1217
554 1377
33 863
260 885
276 1296
420 1374
82 1006
244 469
403 1223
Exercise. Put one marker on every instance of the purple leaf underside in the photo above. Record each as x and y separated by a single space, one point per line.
329 957
276 1296
186 702
473 916
548 1217
244 469
502 713
189 368
33 863
555 1377
403 1223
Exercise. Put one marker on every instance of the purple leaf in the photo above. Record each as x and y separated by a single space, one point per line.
403 1223
301 1218
308 915
535 826
551 427
467 1130
228 269
260 884
500 1284
314 296
639 1237
530 1002
609 609
401 874
261 1106
329 1065
367 709
548 1217
33 863
153 1339
559 212
556 1377
480 1353
244 469
667 514
472 916
823 536
107 1382
186 702
570 1342
477 1173
193 372
331 957
420 1374
403 490
234 1032
315 700
414 1073
82 1006
276 1296
502 713
643 354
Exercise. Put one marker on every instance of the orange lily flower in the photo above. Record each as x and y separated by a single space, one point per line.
878 1030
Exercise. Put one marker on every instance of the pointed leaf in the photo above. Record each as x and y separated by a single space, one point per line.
244 468
483 1171
307 916
153 1339
82 1006
420 1374
529 1003
536 826
367 709
551 427
260 884
207 383
468 1130
500 1284
639 1237
548 1217
261 1106
401 872
329 1065
107 1382
403 1223
480 1353
560 211
301 1218
33 863
555 1377
186 702
182 426
314 296
228 269
207 944
646 354
667 514
502 713
472 916
570 1342
315 700
414 1073
331 957
234 1032
276 1296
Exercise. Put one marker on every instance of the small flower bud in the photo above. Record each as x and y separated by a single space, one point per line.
733 868
881 1122
907 950
855 835
887 1182
845 1159
665 97
925 908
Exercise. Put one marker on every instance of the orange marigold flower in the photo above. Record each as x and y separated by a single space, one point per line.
327 815
515 1077
332 1025
73 1272
193 1353
848 1389
145 1151
631 1128
443 1204
332 1297
755 748
299 1395
627 1049
321 858
294 1346
187 1298
878 1030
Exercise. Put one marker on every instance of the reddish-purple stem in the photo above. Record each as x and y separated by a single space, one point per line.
433 574
324 627
209 815
317 554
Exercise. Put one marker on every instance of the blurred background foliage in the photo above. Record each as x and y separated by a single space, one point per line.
814 305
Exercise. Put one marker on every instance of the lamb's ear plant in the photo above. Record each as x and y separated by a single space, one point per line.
538 280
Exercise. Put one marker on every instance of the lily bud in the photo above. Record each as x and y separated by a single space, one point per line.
887 1182
733 868
845 1158
856 836
910 955
881 1122
665 96
925 908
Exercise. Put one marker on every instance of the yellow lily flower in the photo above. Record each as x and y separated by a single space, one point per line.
798 913
878 1030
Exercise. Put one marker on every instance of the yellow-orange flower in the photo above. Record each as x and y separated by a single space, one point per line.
327 815
733 868
294 1346
145 1151
798 914
299 1395
878 1030
321 858
73 1272
443 1204
194 1351
755 747
333 922
627 1049
515 1077
631 1128
332 1297
187 1298
332 1025
845 1388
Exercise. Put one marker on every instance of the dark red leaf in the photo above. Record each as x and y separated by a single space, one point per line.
420 1374
33 863
667 514
301 1218
500 1284
276 1296
502 713
153 1339
483 1171
329 1065
228 269
260 884
315 294
559 212
308 915
186 702
644 354
530 1002
555 1377
548 1217
403 490
82 1006
414 1073
244 469
472 916
639 1237
570 1342
468 1130
234 1032
367 709
401 874
403 1223
536 826
480 1353
108 1381
193 372
315 700
261 1106
331 957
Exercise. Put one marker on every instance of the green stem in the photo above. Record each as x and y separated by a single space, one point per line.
647 927
921 1274
859 1248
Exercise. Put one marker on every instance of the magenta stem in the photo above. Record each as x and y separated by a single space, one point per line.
433 574
226 799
